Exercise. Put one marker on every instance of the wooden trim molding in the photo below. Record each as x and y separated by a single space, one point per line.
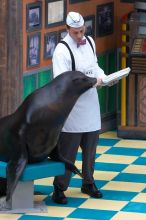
11 56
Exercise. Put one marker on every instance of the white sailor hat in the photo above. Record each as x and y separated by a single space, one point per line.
74 19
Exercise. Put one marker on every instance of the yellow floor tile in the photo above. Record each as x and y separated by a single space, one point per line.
103 175
128 216
110 134
56 211
39 198
75 192
78 164
102 149
131 144
124 186
9 216
45 181
116 159
40 214
103 204
144 154
137 169
79 150
141 197
61 212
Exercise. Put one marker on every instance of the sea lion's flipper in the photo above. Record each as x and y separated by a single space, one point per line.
16 164
14 171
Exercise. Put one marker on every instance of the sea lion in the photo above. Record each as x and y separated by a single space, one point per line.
31 133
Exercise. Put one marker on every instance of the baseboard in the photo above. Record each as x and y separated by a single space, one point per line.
108 122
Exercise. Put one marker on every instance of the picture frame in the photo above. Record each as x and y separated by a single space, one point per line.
104 19
33 49
50 42
90 25
62 34
55 12
77 1
34 16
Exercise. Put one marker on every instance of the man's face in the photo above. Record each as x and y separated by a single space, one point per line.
77 33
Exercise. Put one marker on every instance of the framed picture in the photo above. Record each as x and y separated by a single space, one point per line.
55 13
50 40
33 49
104 19
90 25
62 34
77 1
34 16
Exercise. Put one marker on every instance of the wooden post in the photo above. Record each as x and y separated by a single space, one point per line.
10 56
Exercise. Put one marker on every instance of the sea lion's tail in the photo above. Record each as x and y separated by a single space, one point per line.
56 155
73 168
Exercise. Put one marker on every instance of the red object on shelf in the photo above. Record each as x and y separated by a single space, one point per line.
144 48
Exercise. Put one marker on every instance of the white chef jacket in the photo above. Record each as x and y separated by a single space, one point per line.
85 115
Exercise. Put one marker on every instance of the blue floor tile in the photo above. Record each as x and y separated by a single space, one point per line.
78 183
75 182
72 202
118 195
100 183
135 207
140 161
79 156
144 191
110 166
125 151
128 177
92 214
107 142
41 189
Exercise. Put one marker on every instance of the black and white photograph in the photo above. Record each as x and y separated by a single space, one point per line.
104 19
50 40
33 49
34 16
90 25
62 34
55 12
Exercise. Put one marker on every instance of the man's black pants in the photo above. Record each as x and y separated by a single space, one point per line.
69 144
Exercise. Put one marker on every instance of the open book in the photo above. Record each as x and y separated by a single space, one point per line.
115 76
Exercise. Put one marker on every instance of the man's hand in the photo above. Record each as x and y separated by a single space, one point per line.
98 83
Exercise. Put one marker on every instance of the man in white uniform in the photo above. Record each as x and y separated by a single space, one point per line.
84 121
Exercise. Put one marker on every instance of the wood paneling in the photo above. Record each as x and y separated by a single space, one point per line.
11 55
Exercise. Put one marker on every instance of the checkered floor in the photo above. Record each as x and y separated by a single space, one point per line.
120 173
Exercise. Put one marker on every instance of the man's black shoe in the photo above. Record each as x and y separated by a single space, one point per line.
91 190
59 197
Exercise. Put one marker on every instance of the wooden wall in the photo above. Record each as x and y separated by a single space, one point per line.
10 55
